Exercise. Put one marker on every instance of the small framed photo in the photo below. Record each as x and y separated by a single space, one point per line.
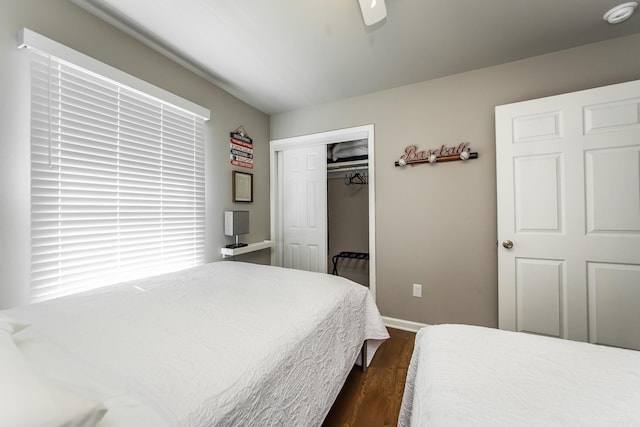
242 187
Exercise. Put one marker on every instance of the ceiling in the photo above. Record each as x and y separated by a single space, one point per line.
281 55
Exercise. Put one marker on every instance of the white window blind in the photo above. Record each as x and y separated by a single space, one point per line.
117 182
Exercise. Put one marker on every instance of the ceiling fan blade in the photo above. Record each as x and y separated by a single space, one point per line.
373 11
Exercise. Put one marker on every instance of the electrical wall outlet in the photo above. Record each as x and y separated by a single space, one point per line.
417 290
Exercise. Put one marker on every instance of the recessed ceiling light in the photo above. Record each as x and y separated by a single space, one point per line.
620 13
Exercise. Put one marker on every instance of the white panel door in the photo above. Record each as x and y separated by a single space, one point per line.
568 182
304 199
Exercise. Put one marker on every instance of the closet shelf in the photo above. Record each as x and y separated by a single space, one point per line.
355 164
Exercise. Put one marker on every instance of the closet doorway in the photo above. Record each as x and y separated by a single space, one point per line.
300 201
348 210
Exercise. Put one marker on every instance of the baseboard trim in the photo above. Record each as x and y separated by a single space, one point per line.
405 325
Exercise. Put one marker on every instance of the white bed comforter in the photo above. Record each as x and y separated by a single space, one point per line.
471 376
225 344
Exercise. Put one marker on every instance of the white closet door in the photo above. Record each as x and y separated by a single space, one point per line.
304 227
568 177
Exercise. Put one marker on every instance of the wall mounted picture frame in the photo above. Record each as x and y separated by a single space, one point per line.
242 187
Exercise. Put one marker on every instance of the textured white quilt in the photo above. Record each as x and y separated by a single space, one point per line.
471 376
225 344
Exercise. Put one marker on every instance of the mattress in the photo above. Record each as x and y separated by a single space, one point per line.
466 375
228 343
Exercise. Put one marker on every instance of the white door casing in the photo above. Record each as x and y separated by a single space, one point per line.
304 221
568 184
277 149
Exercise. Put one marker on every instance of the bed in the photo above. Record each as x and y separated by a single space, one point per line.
227 343
463 375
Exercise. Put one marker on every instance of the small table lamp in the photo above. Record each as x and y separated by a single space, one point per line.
236 223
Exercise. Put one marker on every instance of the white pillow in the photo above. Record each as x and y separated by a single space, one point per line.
26 401
350 149
11 325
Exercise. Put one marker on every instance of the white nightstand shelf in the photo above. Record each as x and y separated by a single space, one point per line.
251 247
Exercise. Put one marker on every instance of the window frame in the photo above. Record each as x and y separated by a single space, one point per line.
172 118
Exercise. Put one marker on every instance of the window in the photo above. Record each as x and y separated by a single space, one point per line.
117 181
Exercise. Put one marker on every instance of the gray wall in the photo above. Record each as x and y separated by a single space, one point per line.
436 224
64 22
348 217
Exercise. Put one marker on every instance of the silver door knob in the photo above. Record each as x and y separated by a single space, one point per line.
507 244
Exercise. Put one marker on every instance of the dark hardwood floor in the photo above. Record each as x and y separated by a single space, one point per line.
373 398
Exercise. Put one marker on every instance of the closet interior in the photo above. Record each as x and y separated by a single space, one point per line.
348 210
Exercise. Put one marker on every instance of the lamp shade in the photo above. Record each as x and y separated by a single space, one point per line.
236 222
